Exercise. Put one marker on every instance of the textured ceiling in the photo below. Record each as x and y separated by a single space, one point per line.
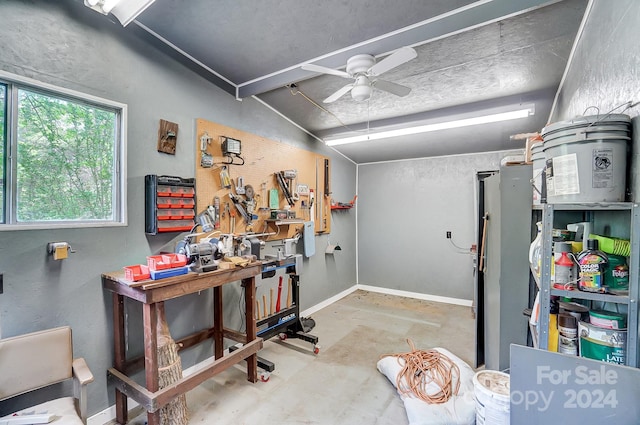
471 56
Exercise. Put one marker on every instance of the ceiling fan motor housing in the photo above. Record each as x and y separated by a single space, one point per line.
359 64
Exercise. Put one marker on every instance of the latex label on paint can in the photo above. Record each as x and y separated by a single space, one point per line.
602 176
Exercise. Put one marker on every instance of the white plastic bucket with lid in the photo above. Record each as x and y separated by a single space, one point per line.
491 389
538 159
586 159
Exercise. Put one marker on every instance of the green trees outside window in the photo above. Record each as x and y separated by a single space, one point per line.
66 158
61 158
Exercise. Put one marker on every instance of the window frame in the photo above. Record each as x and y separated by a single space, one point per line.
13 84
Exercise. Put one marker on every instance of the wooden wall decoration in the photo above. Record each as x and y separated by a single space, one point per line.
263 158
167 137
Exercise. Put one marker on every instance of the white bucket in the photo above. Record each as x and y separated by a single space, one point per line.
491 389
586 159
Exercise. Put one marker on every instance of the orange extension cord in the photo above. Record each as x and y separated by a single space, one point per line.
422 368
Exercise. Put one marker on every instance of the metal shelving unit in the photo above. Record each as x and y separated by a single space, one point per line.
631 300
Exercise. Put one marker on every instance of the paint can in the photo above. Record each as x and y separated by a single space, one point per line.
607 345
567 334
586 159
568 345
492 394
607 319
567 325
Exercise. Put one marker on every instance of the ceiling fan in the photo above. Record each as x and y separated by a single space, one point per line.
364 70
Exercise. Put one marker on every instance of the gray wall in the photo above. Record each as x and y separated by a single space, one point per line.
605 70
404 210
66 44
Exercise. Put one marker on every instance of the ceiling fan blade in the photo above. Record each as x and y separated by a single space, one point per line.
393 88
397 58
324 70
337 95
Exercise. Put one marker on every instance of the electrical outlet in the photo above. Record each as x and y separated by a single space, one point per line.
448 234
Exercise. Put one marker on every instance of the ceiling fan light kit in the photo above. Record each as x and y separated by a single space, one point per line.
363 69
361 89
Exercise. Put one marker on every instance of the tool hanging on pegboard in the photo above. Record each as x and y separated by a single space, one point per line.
250 201
206 159
237 202
216 216
284 181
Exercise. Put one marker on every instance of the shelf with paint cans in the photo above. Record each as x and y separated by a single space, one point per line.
620 220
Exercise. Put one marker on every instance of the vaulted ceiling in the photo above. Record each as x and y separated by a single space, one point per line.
473 58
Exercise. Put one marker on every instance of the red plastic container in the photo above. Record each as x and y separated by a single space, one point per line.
166 261
188 192
164 202
164 190
137 272
187 202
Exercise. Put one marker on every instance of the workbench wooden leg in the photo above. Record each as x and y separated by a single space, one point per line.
218 325
249 302
119 354
150 319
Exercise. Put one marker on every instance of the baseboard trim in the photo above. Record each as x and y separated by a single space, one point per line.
419 296
108 415
309 311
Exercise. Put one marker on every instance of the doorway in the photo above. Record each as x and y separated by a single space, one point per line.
479 275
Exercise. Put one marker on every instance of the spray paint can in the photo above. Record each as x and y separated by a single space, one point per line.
593 264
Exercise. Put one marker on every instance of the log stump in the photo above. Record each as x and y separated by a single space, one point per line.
169 371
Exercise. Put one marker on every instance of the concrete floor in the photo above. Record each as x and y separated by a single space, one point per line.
341 384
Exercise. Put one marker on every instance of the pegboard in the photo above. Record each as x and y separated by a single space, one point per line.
263 158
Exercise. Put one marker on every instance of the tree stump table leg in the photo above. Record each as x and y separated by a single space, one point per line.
169 372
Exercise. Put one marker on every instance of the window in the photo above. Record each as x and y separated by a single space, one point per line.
3 144
62 158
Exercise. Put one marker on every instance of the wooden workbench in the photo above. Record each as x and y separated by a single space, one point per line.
152 294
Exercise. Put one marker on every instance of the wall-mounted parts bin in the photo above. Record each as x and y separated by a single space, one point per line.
169 204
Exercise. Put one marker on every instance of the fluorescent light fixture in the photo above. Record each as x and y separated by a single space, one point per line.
465 122
125 10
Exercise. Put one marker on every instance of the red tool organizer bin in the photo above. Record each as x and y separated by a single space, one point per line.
169 204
